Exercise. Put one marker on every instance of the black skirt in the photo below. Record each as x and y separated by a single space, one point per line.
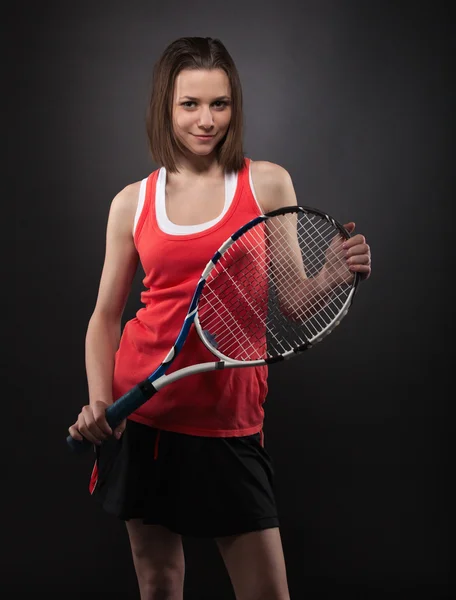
194 486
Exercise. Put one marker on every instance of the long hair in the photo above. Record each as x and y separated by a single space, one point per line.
192 53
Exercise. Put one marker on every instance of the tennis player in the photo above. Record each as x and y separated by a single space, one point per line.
191 461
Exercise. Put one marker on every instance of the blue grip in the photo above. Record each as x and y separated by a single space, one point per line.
117 412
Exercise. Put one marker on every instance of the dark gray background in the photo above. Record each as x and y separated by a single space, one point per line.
354 99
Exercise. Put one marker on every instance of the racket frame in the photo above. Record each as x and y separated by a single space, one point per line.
221 251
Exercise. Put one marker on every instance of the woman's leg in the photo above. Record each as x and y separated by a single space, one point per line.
256 565
158 557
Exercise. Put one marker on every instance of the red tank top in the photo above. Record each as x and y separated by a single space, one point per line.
220 403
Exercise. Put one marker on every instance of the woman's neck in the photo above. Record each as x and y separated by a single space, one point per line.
196 166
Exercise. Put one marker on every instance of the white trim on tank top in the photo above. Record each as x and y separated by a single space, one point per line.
168 226
139 207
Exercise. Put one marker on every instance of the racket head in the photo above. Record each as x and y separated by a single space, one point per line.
262 297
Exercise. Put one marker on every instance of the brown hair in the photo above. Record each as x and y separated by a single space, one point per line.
192 53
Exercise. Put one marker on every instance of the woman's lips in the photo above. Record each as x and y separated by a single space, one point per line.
203 138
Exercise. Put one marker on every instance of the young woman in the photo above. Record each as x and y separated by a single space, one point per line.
191 460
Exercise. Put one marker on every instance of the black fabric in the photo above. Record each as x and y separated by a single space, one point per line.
195 486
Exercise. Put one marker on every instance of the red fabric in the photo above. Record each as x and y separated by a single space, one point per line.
220 403
93 478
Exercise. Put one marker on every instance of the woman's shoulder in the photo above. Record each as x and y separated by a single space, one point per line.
265 169
127 197
124 204
273 185
129 193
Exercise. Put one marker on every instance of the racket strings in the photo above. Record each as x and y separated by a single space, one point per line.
324 234
278 286
232 307
311 259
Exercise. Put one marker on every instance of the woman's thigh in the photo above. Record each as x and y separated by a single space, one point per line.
158 555
256 564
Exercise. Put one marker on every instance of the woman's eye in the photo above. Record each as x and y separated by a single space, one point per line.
216 104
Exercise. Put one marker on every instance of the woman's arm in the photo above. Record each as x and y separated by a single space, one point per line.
104 328
299 296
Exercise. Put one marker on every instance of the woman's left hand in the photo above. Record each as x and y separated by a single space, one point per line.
357 252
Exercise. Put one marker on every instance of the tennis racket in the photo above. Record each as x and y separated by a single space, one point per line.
275 288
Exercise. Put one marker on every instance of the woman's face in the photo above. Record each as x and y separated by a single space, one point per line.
201 109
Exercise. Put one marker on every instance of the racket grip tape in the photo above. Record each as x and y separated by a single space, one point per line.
118 411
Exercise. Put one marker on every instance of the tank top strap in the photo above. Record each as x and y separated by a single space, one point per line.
148 203
245 180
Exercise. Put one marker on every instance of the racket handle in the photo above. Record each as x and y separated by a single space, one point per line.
118 411
78 446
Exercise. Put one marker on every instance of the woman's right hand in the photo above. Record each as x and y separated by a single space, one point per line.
92 424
